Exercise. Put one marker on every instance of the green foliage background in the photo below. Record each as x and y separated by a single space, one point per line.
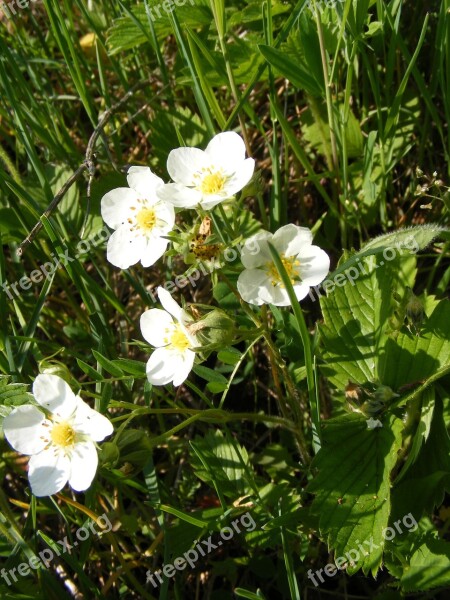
346 113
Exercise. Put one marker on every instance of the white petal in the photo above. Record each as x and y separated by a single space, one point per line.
144 182
155 248
314 265
166 365
182 163
83 466
116 206
169 303
165 215
125 248
251 285
255 252
277 295
179 195
185 364
55 395
48 472
241 177
301 290
226 149
156 326
291 239
90 422
26 429
161 368
211 200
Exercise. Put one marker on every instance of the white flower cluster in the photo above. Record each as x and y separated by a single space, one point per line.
143 215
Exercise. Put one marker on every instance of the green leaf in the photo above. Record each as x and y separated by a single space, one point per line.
183 516
422 431
12 395
409 358
131 367
132 29
216 460
209 375
107 364
430 473
429 567
217 388
352 487
356 315
296 72
412 239
229 356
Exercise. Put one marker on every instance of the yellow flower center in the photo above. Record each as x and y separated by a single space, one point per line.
146 219
179 340
291 265
213 183
62 434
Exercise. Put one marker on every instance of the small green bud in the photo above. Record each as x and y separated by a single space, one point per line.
215 330
384 393
415 311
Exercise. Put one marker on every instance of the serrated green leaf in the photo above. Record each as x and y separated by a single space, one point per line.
356 316
352 487
132 30
410 240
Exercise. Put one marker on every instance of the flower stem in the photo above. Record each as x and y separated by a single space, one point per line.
292 398
310 378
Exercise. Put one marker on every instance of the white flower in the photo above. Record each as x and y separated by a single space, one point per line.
139 218
61 440
208 177
168 331
372 423
306 265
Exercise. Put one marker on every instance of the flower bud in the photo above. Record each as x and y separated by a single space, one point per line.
383 394
215 330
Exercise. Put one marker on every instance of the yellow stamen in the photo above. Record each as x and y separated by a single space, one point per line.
213 183
62 434
179 340
291 265
146 219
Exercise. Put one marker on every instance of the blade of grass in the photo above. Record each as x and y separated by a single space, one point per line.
312 390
